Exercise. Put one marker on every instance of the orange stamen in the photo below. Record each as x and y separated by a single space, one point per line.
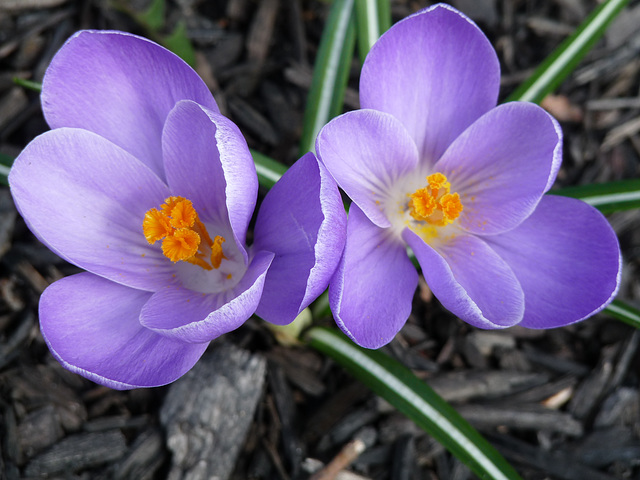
183 215
199 262
422 204
451 206
437 181
156 225
182 245
434 204
184 237
216 251
200 228
169 203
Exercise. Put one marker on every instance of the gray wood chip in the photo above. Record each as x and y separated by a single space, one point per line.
39 430
207 413
20 5
78 452
522 417
144 458
466 385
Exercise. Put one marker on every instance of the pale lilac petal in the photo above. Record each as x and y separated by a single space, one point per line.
302 220
372 289
207 161
436 72
470 280
502 165
567 259
366 152
120 86
189 316
86 198
91 327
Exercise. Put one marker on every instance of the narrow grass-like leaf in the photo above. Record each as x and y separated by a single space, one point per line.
622 311
5 166
384 15
28 84
606 197
330 72
414 398
269 170
566 57
153 17
178 42
368 25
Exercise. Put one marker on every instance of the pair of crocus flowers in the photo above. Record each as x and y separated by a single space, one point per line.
146 186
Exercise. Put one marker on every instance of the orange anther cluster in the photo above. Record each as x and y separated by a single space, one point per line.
216 251
434 204
183 235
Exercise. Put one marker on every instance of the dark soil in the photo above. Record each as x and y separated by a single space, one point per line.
558 404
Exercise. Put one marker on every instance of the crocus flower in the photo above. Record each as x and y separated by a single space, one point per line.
432 164
144 184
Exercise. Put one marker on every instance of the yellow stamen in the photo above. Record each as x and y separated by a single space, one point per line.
155 225
203 231
184 237
216 252
183 244
169 203
422 204
183 215
451 205
434 204
199 262
437 181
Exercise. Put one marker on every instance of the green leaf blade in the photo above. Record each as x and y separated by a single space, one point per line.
6 161
414 398
28 84
269 170
607 197
153 17
384 15
178 42
330 73
626 313
368 25
555 68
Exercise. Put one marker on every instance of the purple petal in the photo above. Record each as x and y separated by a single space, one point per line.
86 198
470 280
366 152
567 259
91 327
189 316
120 86
502 165
372 289
302 220
436 72
207 161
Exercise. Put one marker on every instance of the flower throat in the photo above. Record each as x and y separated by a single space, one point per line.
184 237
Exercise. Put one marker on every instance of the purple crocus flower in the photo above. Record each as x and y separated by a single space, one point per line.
144 184
432 164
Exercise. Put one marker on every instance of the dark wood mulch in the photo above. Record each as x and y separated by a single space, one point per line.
559 404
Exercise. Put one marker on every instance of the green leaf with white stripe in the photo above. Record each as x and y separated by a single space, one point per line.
606 197
414 398
330 72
